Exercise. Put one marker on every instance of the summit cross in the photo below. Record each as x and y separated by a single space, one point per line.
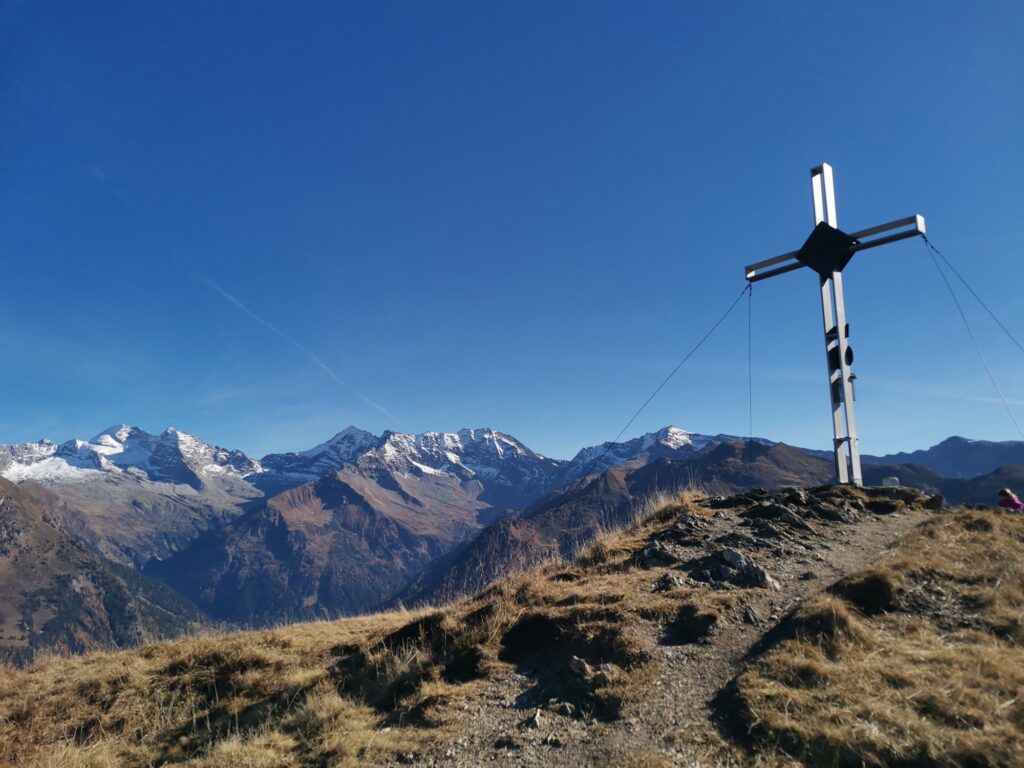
827 251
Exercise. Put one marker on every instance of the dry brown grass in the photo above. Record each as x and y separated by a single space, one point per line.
355 691
916 661
659 507
251 696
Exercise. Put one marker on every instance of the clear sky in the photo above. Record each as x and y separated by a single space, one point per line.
261 222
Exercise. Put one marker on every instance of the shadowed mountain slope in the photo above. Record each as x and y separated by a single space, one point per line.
340 545
56 594
132 520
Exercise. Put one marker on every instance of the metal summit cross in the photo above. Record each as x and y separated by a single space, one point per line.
827 251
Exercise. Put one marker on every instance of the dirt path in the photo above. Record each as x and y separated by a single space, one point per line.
673 722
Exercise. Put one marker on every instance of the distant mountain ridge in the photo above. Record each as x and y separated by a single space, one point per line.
147 496
144 495
959 457
667 443
178 458
173 457
495 458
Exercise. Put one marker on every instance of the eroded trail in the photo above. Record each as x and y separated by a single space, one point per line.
670 718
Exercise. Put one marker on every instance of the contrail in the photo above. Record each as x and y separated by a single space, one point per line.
904 387
316 360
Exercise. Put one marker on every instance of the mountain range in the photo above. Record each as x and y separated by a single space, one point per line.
361 521
959 457
139 496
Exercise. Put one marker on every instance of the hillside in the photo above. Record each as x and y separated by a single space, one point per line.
59 595
571 517
733 631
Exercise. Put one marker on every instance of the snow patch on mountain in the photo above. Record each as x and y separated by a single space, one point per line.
669 442
47 470
172 456
466 453
304 466
509 472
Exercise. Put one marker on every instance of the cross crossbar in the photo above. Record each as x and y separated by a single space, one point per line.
916 225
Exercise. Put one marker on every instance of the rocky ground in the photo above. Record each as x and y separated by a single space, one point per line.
772 551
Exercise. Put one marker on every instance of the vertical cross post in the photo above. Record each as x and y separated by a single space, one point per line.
838 355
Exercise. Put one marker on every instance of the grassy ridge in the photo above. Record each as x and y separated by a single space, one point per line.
918 660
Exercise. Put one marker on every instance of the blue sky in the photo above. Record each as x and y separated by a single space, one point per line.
261 222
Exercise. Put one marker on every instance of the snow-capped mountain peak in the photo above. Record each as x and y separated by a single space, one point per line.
467 447
286 469
668 442
493 458
672 437
173 456
506 468
348 440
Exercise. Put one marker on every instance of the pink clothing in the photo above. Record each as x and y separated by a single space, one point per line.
1011 503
